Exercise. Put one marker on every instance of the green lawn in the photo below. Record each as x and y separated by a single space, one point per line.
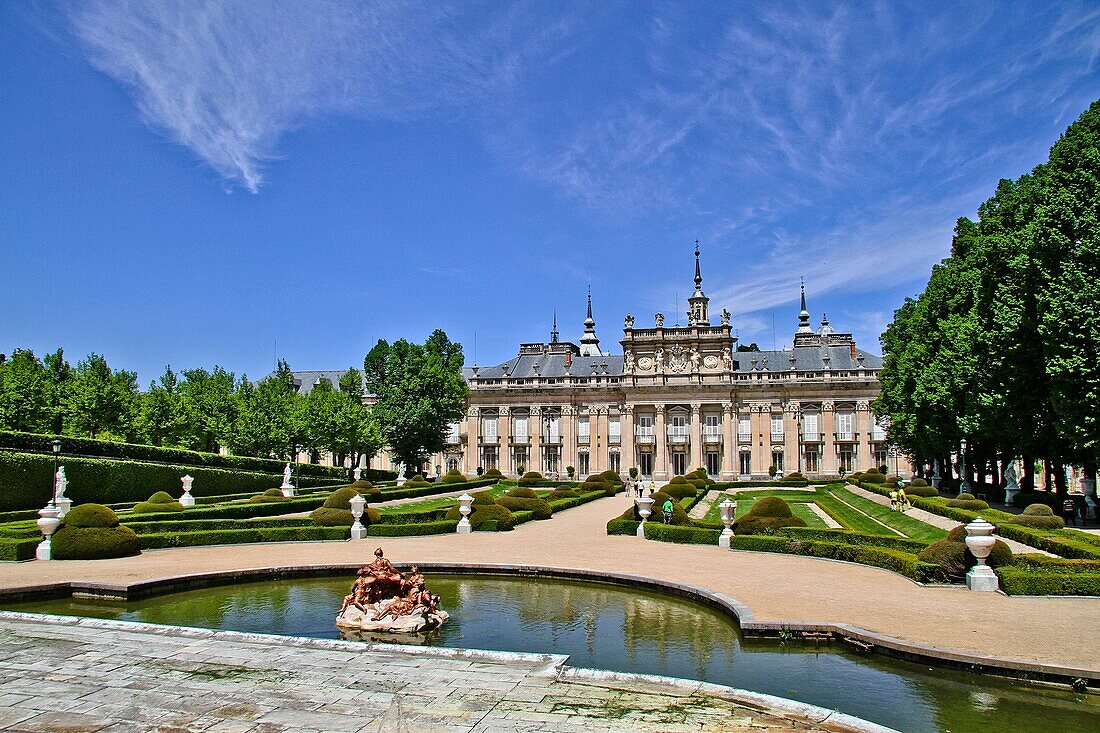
850 518
443 502
802 510
908 526
799 506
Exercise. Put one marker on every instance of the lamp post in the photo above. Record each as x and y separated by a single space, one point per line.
727 509
964 485
357 503
645 508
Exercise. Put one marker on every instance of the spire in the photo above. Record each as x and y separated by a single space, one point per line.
590 343
554 328
804 315
698 310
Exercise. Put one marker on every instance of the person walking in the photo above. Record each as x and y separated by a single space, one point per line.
667 509
1069 512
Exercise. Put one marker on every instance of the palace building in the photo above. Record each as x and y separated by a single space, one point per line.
672 399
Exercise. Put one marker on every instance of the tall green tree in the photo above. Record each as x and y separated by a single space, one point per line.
24 393
60 375
419 391
267 418
209 405
101 403
161 419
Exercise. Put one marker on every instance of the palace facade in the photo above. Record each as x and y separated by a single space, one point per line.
672 399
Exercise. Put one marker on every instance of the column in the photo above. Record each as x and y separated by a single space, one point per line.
568 437
792 461
729 442
627 457
861 426
473 427
504 440
600 445
534 432
696 437
760 421
660 448
828 449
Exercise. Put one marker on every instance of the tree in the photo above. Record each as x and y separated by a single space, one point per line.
99 402
337 422
24 393
209 407
60 375
267 417
160 418
419 391
750 347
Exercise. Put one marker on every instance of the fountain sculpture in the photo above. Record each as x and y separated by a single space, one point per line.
384 600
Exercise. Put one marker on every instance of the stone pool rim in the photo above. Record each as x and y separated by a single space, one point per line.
552 666
859 638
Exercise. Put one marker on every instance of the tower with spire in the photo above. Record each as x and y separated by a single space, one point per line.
698 303
590 343
804 315
554 328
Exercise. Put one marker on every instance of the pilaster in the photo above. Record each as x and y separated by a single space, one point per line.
627 457
660 442
504 435
729 444
828 451
568 436
535 432
791 455
695 458
473 432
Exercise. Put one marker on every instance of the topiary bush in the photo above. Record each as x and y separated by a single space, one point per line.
612 478
417 481
531 478
367 490
1038 516
680 491
968 502
562 492
949 555
999 556
540 507
336 511
679 516
161 501
918 482
268 496
493 473
92 532
769 513
454 476
522 492
487 514
924 491
595 483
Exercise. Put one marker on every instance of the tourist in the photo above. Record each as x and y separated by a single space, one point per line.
667 508
894 500
1069 512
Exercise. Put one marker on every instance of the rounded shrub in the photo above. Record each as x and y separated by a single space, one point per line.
965 496
531 478
269 496
678 480
540 507
752 524
1038 516
918 482
336 511
417 481
493 473
679 516
160 501
771 506
921 491
90 515
855 477
948 555
968 502
92 532
486 516
562 492
595 483
340 499
999 556
611 477
454 476
1039 510
680 491
522 492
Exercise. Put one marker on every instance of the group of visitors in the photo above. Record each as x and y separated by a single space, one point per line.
899 502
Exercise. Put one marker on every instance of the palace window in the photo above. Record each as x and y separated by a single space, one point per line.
878 430
489 429
614 430
489 458
777 460
746 463
744 431
712 462
521 430
712 427
645 463
678 429
813 459
453 432
844 426
845 456
810 429
644 431
584 431
613 461
777 427
679 463
582 463
554 430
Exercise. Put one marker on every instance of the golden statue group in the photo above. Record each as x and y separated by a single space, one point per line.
382 599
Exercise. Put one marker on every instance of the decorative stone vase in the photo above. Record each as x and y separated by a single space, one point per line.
48 524
980 541
727 509
186 499
357 473
357 503
645 509
465 507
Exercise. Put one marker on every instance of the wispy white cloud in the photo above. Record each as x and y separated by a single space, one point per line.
227 79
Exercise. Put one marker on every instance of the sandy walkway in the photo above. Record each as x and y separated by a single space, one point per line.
775 587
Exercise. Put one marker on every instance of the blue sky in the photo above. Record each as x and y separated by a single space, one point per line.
192 183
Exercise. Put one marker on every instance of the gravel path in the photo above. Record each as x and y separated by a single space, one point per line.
700 509
829 521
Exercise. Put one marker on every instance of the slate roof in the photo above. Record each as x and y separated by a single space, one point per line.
306 380
807 359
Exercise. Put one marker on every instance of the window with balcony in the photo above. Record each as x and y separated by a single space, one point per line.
489 429
811 431
744 431
453 432
584 431
678 429
520 434
777 427
553 431
844 422
712 428
878 430
614 430
643 432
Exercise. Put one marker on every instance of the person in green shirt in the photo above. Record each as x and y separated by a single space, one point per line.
667 508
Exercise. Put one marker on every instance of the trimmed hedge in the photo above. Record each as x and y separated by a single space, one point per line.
538 507
767 513
161 501
13 550
454 476
903 563
269 495
92 534
848 537
681 534
443 526
622 526
150 453
1016 581
25 480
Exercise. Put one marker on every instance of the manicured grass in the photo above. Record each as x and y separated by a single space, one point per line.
443 502
849 517
908 526
801 509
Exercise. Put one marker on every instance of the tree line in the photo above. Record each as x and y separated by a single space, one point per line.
1001 351
417 390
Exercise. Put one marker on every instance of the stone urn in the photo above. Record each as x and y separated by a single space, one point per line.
186 499
357 504
48 524
645 509
727 509
465 507
980 541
